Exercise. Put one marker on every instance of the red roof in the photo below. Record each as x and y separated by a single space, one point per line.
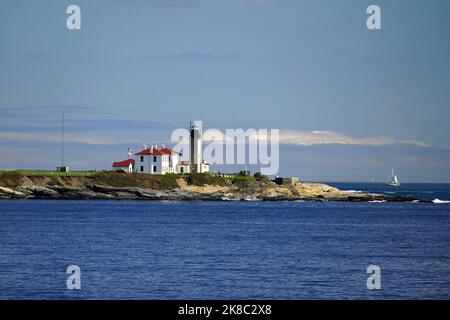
156 152
123 164
184 163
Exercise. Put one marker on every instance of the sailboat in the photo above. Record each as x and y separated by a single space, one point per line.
393 180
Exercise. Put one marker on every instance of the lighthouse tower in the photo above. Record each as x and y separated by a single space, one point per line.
196 146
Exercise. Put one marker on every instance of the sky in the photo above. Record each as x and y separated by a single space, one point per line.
350 103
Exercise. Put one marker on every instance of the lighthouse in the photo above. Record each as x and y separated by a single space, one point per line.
196 146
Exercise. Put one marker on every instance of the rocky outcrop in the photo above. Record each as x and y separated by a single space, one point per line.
251 189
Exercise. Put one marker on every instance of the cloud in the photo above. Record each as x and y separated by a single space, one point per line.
85 139
46 111
315 137
286 137
330 137
194 55
85 125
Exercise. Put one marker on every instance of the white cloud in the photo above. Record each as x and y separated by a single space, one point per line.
316 137
39 137
292 137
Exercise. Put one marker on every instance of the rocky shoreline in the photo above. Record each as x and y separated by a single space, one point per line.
88 188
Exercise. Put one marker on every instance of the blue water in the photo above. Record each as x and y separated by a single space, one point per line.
423 191
223 250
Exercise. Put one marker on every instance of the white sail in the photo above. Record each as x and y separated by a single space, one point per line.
392 179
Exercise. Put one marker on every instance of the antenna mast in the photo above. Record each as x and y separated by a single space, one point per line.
62 141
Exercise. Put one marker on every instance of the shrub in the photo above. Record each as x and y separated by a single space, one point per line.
156 181
260 176
243 181
201 179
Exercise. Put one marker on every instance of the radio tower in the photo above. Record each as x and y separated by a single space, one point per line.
62 142
62 166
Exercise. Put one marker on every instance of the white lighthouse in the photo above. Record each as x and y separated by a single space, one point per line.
196 146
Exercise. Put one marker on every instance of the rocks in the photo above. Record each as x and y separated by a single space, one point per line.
39 191
8 193
256 191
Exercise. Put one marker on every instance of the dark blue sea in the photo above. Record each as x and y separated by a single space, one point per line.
228 250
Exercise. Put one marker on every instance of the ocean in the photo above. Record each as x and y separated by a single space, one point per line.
228 250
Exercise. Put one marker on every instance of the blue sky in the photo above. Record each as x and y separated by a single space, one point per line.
139 68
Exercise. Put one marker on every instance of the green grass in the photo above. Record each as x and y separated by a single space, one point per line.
243 178
243 181
45 173
201 179
122 179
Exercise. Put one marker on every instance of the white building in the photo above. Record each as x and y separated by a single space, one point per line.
157 161
184 167
204 167
125 165
161 161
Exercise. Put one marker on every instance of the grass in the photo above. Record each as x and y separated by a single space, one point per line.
46 173
11 178
243 181
201 179
243 178
122 179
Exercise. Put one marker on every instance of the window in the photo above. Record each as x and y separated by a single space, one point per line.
154 158
142 158
154 168
142 168
181 169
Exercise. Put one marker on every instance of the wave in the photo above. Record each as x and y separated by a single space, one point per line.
438 201
353 191
377 201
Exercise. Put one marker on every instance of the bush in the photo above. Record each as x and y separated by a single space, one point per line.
201 179
166 181
153 181
243 181
260 176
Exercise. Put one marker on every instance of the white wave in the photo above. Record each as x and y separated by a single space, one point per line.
353 191
377 201
438 201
